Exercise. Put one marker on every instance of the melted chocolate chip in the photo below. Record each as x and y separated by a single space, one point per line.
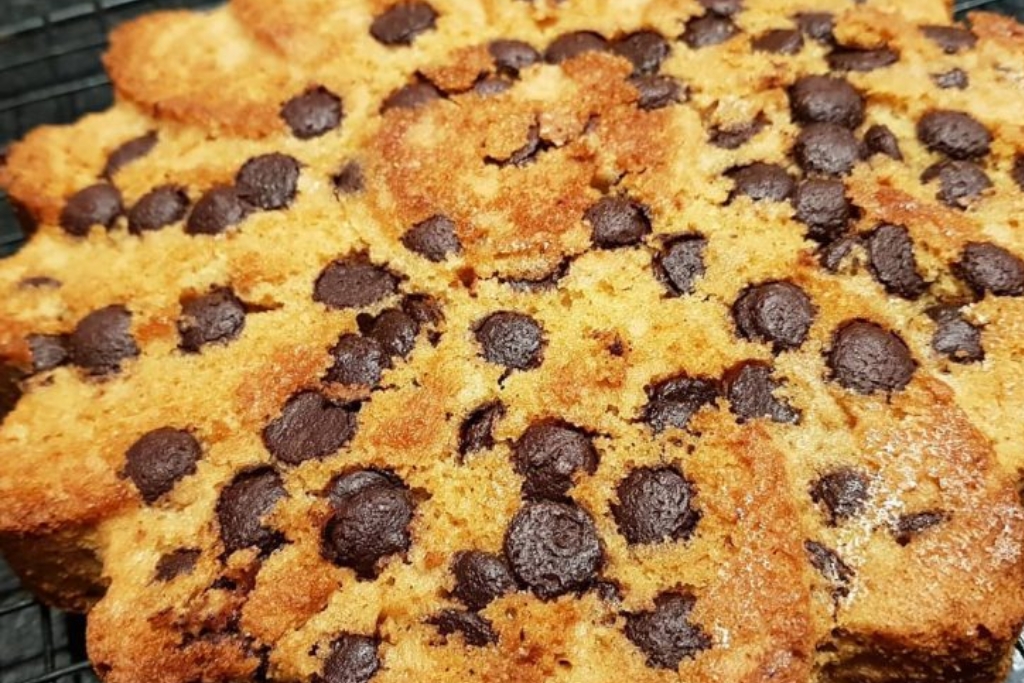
751 392
655 505
842 494
98 204
822 206
310 426
861 60
353 283
434 239
617 222
722 8
708 30
48 351
180 562
954 133
395 331
216 211
351 659
480 578
657 92
776 312
762 182
511 339
128 152
367 526
569 45
411 96
351 483
313 113
402 23
646 50
512 56
477 431
827 149
783 41
681 263
736 136
960 182
358 361
954 337
475 630
951 39
954 78
826 99
157 209
909 526
672 402
827 562
880 140
214 318
866 358
665 634
102 340
243 504
269 181
160 459
553 548
892 261
349 180
549 454
817 26
988 268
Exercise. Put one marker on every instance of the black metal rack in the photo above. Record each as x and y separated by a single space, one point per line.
50 73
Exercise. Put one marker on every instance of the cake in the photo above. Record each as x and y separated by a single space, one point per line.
497 340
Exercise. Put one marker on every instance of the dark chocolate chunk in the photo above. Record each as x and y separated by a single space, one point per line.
351 659
216 211
349 180
128 152
617 222
157 209
512 56
843 59
358 361
665 634
161 458
954 337
313 113
989 268
549 454
213 318
395 331
646 50
827 149
750 388
960 182
569 45
242 506
817 26
353 282
434 239
708 30
822 206
102 340
514 340
911 525
480 578
734 137
477 431
880 140
951 39
412 96
48 351
672 402
657 91
776 312
655 505
402 23
954 78
826 99
866 358
681 263
827 562
892 261
762 182
842 493
98 204
310 426
783 41
269 181
476 630
956 134
180 562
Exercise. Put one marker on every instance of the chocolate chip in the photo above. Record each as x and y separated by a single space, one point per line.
491 85
909 526
10 388
549 454
862 60
569 45
395 331
708 30
722 8
402 23
665 634
783 41
892 261
954 337
960 182
1017 173
511 339
477 431
480 578
98 204
956 134
657 92
128 152
216 211
827 562
842 494
617 222
269 181
954 78
672 402
826 99
751 392
822 206
349 180
358 361
213 318
310 426
157 209
512 56
880 140
553 548
180 562
353 282
817 26
776 312
834 253
411 96
867 358
827 149
646 50
526 154
986 267
423 309
951 39
655 505
367 526
476 630
761 182
48 350
351 659
608 591
736 136
243 504
313 113
681 263
351 483
434 239
161 458
103 339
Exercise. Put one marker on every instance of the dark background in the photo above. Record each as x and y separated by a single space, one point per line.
50 73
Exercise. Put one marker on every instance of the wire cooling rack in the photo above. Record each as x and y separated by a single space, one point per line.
50 73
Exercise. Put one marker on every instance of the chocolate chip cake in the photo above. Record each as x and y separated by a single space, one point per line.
507 340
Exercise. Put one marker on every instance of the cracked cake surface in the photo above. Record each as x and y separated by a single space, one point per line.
520 341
